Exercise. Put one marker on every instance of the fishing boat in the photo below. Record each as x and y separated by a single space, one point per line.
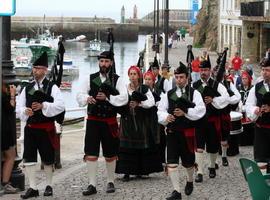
94 48
22 66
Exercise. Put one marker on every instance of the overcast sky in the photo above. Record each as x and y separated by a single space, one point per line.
90 8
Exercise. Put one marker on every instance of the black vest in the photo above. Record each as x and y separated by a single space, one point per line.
101 108
259 92
244 93
210 109
182 121
38 117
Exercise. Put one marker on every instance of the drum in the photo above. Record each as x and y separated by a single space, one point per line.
236 129
236 124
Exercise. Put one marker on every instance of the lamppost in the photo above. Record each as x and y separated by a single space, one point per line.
9 76
157 29
154 31
166 31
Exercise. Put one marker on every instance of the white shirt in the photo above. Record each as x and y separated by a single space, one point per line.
49 109
117 100
251 103
236 97
193 113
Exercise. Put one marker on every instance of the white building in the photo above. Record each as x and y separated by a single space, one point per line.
230 26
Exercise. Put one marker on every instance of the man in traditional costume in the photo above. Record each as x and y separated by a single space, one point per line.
258 109
208 133
178 110
39 103
103 92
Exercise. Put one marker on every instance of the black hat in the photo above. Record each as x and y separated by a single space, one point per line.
182 69
205 64
42 60
265 62
106 55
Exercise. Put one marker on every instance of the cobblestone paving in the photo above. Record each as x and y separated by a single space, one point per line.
71 180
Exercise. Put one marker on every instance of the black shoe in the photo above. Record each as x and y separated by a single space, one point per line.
89 191
110 188
175 196
189 188
30 193
126 178
58 166
48 191
212 172
225 162
199 178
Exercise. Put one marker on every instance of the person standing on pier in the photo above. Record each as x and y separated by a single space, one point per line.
258 109
178 110
39 103
208 133
102 92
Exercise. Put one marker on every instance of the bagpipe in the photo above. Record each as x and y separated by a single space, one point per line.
184 104
41 96
221 62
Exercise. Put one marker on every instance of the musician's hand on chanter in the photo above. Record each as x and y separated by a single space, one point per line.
29 112
36 106
170 118
208 100
133 104
101 96
91 100
265 108
178 112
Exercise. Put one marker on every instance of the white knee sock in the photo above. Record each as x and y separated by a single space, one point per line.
199 161
174 175
48 169
224 150
110 171
213 157
92 172
190 172
31 173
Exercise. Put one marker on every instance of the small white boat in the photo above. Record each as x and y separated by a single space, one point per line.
94 48
79 38
22 66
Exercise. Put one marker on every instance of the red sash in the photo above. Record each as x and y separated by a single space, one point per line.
112 123
49 127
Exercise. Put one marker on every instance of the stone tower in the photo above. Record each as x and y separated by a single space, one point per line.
135 12
122 15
